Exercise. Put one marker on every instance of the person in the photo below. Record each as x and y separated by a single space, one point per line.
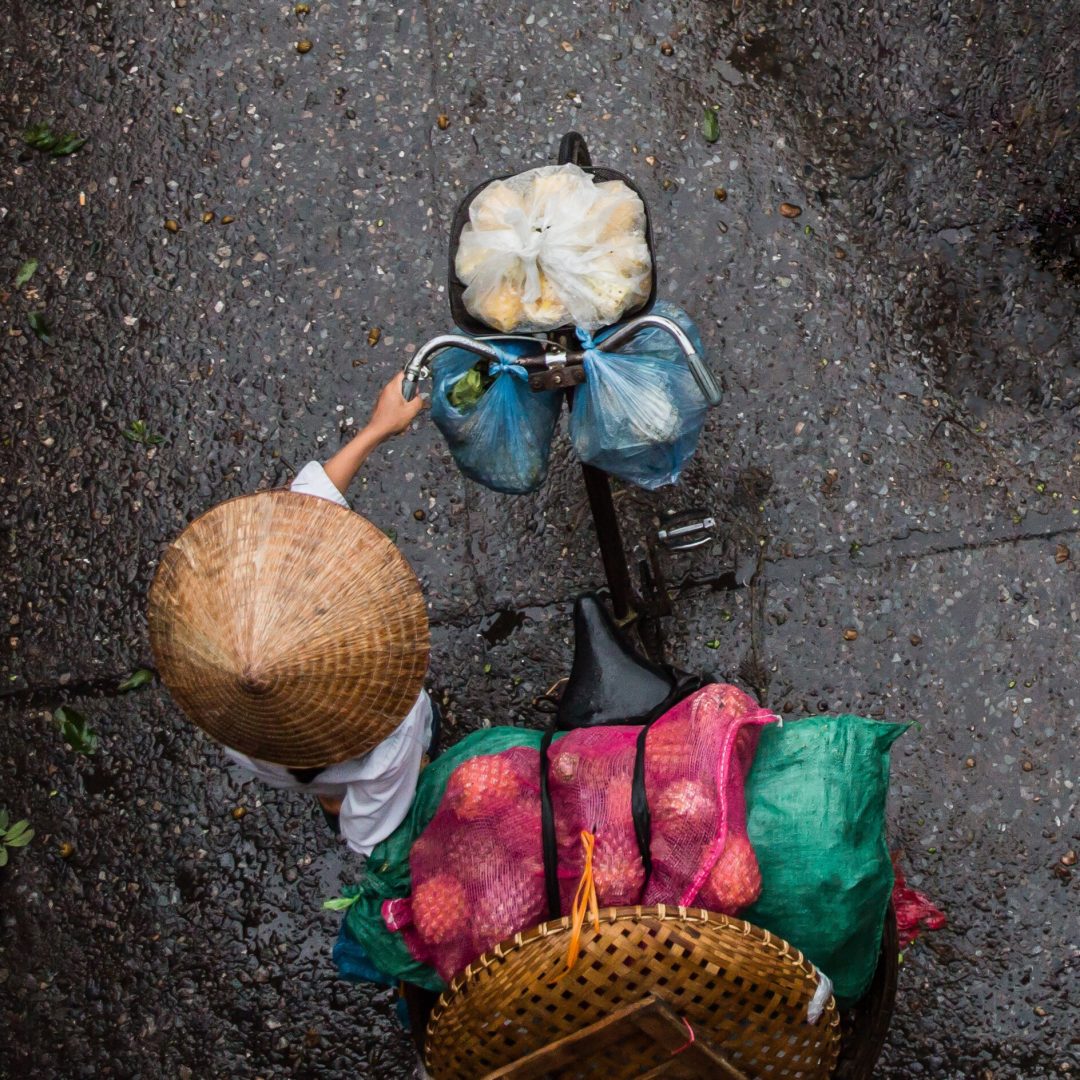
296 635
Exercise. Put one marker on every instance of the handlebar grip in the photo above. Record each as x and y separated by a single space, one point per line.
408 388
704 377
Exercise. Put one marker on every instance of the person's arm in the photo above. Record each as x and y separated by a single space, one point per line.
391 416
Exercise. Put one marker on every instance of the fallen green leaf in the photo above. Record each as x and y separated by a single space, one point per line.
26 272
710 125
19 835
340 903
136 679
67 144
137 432
40 325
75 730
487 669
42 137
714 644
3 820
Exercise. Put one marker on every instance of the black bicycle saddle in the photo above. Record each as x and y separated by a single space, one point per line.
609 682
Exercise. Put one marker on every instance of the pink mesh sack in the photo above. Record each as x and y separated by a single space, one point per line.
477 869
697 756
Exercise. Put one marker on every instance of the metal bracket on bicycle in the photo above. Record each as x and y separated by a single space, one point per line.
552 368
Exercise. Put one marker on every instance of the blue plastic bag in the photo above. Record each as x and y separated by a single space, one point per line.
504 440
640 411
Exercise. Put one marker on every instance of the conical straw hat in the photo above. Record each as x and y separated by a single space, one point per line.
289 628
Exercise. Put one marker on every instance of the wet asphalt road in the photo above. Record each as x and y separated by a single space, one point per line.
897 453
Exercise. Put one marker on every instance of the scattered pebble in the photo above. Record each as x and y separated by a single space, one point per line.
790 210
228 219
1061 554
373 336
915 639
443 121
667 48
566 46
302 9
969 763
720 194
238 812
839 253
1027 766
303 46
172 225
208 216
1069 858
67 849
419 515
850 634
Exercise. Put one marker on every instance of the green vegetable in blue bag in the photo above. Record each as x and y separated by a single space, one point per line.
498 430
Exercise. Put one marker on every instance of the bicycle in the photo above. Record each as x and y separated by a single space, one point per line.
558 364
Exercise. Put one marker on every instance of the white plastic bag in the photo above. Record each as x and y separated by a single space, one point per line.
550 247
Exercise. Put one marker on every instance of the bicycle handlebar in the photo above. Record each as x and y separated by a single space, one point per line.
552 356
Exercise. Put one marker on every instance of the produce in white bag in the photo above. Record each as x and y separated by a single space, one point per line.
550 247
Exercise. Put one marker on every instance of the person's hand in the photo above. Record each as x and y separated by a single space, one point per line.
392 413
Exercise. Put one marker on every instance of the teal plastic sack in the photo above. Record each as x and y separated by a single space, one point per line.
386 873
815 800
503 440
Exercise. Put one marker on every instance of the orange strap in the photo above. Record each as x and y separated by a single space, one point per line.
584 901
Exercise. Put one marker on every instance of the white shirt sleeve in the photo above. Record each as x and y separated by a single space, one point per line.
376 790
312 480
376 803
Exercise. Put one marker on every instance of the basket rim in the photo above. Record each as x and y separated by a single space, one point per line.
636 913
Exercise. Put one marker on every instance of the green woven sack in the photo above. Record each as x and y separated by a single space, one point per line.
816 800
386 874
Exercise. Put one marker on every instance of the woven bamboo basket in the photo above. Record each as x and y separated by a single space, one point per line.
736 985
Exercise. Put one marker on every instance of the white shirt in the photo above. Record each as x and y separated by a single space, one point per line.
377 789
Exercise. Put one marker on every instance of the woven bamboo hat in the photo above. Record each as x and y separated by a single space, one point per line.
289 628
